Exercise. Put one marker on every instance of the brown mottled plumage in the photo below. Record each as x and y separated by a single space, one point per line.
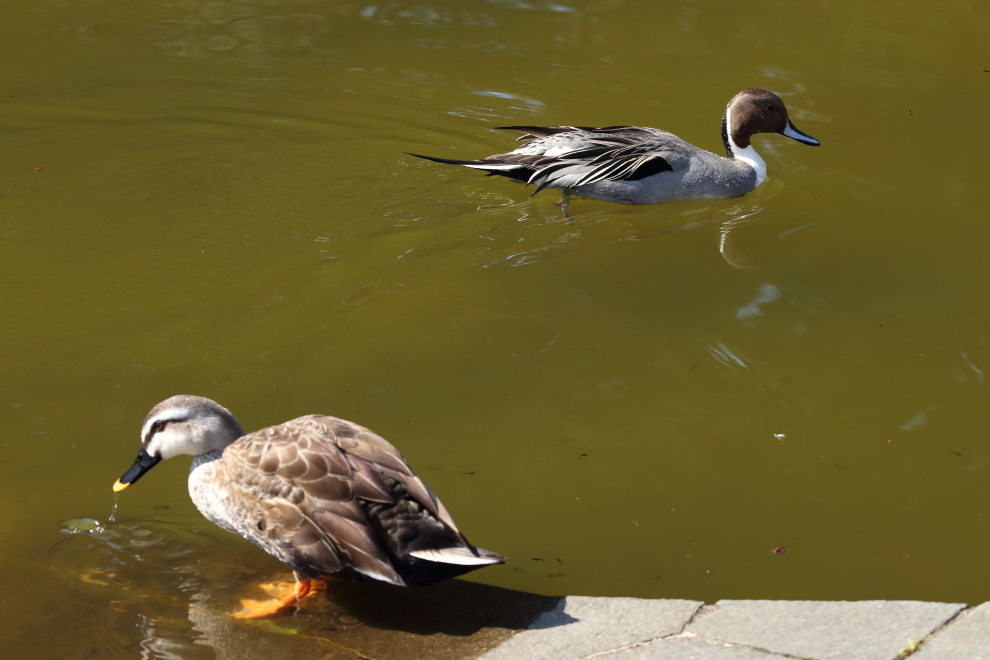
321 494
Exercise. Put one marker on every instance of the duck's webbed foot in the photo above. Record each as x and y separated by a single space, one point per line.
563 203
281 603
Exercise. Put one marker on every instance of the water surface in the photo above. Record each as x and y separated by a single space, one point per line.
213 198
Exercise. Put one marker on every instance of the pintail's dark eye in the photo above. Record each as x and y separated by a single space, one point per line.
158 427
770 108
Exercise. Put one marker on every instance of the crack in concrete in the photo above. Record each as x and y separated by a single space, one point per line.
704 610
700 612
686 635
909 651
621 649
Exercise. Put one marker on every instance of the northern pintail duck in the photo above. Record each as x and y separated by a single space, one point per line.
634 165
320 494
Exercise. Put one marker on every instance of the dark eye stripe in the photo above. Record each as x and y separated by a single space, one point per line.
159 426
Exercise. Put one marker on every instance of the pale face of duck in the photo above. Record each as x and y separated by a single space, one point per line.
180 425
753 111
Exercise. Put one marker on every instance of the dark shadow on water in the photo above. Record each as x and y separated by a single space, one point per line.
455 620
454 607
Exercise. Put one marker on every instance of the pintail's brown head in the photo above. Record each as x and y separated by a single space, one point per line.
753 111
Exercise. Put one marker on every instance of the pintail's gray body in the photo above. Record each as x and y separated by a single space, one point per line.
635 165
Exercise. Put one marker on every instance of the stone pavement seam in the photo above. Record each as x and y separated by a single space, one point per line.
729 644
622 649
581 627
587 628
645 642
702 611
857 630
930 636
669 639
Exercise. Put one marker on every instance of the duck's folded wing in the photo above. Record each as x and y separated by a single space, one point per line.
585 156
303 501
612 165
373 449
333 497
414 523
565 157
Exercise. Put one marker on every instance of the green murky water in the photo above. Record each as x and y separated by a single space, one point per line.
642 403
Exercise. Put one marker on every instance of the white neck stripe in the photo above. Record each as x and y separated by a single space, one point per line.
751 158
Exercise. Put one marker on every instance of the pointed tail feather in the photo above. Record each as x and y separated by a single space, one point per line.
447 161
512 170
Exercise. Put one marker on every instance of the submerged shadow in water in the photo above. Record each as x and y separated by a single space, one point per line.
454 607
453 619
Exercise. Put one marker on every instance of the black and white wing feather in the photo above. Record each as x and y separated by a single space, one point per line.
567 157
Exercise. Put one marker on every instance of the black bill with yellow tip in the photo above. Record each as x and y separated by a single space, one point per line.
142 464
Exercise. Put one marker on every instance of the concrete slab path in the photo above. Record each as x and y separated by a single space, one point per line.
581 628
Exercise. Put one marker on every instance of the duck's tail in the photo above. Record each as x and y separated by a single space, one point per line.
428 565
494 166
462 556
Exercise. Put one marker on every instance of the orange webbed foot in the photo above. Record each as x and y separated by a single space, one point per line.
281 602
